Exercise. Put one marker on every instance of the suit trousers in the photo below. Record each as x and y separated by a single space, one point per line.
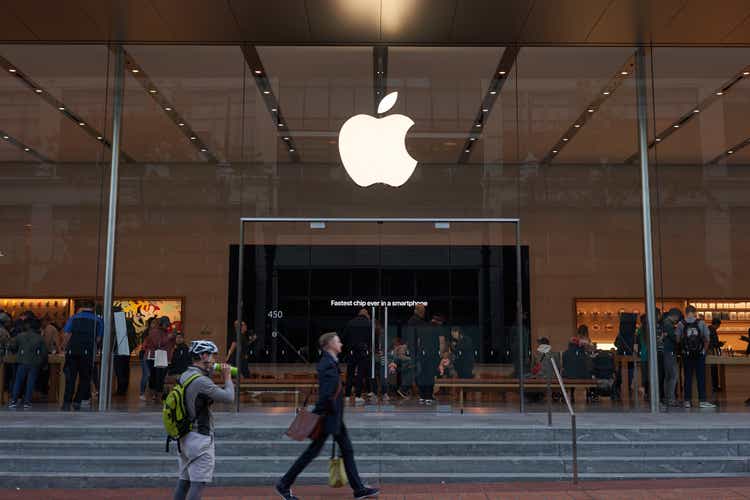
312 451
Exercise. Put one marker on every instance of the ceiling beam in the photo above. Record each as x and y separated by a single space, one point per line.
64 109
252 58
497 81
9 139
694 111
625 71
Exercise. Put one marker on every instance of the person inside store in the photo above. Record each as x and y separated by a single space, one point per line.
31 353
83 334
642 346
247 344
159 339
181 358
330 405
462 348
357 338
428 357
694 338
401 369
584 340
714 348
6 323
668 335
121 362
143 357
52 340
576 364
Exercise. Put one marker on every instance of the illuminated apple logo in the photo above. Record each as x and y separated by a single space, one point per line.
374 149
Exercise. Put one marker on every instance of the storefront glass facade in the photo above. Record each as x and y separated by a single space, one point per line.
547 136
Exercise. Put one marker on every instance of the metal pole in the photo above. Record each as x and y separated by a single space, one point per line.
106 363
549 398
238 328
575 447
519 318
384 382
648 248
372 348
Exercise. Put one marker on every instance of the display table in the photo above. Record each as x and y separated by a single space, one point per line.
56 376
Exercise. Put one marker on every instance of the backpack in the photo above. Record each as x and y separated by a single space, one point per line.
692 338
177 422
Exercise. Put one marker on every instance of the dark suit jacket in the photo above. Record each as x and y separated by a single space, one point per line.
329 405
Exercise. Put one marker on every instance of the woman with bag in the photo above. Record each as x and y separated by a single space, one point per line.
330 409
158 346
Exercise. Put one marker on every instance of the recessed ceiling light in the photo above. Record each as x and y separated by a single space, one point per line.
466 150
501 72
577 125
203 150
192 138
493 92
676 125
99 138
181 124
38 91
658 139
27 149
82 124
273 110
590 110
258 72
730 152
167 109
286 138
606 92
61 108
472 138
720 93
565 139
696 110
12 70
266 92
281 124
623 73
6 137
484 110
478 125
554 151
152 91
746 73
135 70
291 150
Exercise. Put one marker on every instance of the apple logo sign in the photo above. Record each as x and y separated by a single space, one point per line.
374 149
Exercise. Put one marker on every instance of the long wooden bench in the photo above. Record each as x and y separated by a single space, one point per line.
481 384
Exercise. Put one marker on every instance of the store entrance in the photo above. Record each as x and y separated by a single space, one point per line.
415 304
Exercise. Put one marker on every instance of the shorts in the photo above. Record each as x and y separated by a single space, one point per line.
197 458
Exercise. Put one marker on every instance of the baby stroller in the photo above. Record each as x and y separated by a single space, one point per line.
603 371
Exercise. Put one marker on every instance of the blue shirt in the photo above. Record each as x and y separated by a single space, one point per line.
85 315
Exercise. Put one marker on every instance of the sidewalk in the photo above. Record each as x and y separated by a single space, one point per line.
719 488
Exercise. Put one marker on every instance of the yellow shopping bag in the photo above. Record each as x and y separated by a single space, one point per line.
336 471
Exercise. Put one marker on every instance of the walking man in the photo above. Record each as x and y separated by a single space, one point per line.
331 405
197 451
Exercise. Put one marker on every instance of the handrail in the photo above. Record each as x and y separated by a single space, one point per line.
570 410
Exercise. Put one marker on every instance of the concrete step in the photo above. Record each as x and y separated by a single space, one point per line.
283 447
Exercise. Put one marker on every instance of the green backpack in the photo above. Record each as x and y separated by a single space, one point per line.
174 414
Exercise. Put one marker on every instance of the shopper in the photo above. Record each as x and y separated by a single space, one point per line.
693 335
121 362
247 343
331 406
83 332
158 340
197 453
143 357
669 341
181 357
358 337
32 352
714 348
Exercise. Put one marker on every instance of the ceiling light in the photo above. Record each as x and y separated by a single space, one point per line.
38 91
61 108
696 110
152 91
466 150
720 93
6 137
501 72
658 139
676 125
624 73
273 110
577 125
99 138
554 151
258 72
181 124
606 92
291 150
167 109
266 92
203 150
286 138
485 110
565 139
281 124
478 125
135 70
12 70
493 92
746 73
82 124
730 152
27 149
192 138
590 110
472 138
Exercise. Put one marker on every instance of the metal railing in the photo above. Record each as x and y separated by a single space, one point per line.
570 410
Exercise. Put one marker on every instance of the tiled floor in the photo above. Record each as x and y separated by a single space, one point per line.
682 489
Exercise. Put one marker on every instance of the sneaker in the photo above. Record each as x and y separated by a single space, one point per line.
284 492
429 402
12 404
706 404
421 401
686 404
27 406
367 493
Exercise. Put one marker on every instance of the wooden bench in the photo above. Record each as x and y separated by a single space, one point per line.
481 384
276 384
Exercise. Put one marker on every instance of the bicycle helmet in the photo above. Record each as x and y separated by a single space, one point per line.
198 347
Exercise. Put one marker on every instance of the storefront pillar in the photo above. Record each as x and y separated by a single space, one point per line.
648 253
106 363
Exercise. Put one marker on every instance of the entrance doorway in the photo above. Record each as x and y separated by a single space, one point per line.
415 301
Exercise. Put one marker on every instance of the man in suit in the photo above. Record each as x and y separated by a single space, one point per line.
331 406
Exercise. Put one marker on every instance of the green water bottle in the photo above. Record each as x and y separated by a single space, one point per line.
217 369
